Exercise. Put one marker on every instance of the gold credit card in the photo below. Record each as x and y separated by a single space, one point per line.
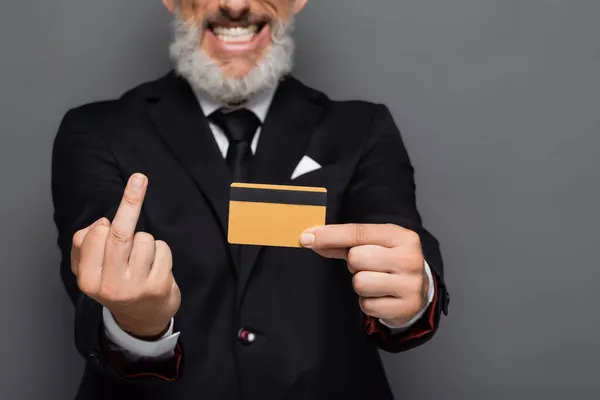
274 215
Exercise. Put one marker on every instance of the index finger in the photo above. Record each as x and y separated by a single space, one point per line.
78 242
351 235
120 240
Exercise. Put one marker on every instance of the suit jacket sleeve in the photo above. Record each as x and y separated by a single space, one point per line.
87 185
383 191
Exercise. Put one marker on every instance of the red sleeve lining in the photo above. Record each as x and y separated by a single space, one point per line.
421 328
167 370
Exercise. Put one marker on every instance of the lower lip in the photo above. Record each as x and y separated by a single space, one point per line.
233 47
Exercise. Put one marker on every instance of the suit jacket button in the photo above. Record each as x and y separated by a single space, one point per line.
246 337
446 303
94 358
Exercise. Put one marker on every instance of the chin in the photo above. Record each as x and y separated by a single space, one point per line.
238 67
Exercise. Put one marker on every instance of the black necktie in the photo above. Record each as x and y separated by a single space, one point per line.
239 126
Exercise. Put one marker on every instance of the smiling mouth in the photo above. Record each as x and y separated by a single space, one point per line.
237 31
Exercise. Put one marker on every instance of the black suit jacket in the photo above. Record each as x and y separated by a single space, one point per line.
313 341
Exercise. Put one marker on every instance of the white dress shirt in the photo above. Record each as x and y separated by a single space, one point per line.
164 347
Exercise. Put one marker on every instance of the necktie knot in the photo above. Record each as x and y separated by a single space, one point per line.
239 125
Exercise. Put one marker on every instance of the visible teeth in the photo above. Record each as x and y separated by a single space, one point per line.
237 34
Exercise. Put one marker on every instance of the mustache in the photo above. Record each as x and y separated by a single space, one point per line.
245 18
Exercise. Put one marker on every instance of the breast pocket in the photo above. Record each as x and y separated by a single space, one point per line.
329 177
334 179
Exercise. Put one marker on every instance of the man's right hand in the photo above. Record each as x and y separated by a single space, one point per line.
128 273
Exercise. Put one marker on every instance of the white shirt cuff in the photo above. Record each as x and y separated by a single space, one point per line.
136 348
430 295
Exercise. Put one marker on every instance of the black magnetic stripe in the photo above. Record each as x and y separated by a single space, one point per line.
279 196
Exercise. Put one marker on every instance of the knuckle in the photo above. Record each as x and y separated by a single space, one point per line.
112 291
354 256
87 286
397 230
159 291
415 282
412 287
163 248
129 199
413 238
163 245
74 263
350 269
420 280
143 237
358 234
118 235
77 240
174 287
109 294
97 232
413 307
416 265
393 228
367 306
359 282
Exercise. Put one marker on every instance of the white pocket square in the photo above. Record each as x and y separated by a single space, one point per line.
305 166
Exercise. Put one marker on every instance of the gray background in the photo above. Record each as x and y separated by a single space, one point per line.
498 102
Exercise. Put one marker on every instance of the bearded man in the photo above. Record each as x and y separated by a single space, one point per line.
165 307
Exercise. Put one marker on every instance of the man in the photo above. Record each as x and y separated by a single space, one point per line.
165 307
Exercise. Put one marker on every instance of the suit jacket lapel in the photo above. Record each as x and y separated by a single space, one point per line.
293 117
290 122
179 118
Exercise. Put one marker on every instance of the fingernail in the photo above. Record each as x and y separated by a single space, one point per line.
137 181
101 221
95 224
307 239
314 228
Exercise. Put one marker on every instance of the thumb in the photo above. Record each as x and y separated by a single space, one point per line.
341 254
175 296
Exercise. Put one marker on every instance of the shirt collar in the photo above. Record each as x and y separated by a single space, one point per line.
258 104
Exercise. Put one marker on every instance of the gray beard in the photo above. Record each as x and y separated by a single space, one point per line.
203 73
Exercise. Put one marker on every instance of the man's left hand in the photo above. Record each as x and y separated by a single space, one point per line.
387 263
